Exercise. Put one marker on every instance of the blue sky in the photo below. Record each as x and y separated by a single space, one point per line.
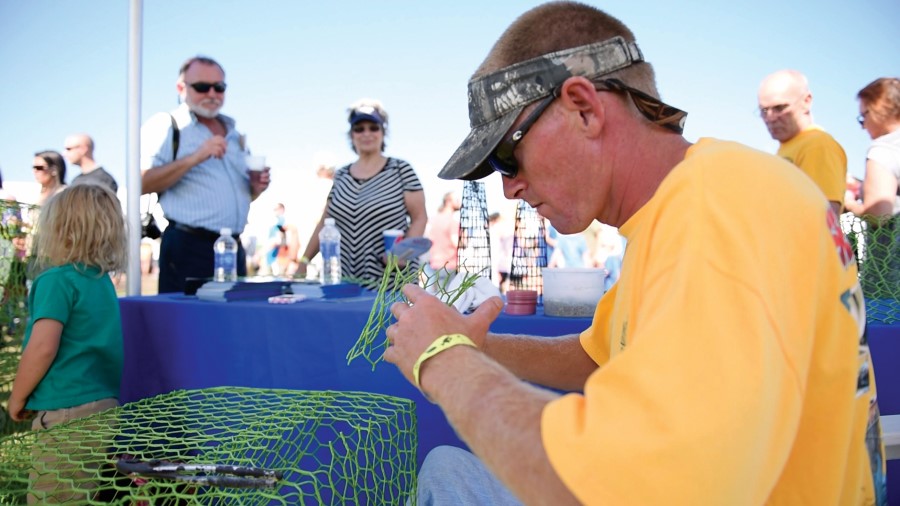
293 67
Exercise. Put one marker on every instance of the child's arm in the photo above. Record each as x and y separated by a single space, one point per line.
34 364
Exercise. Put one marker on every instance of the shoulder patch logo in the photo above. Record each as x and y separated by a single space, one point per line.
844 249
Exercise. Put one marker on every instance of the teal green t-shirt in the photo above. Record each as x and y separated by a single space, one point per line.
88 365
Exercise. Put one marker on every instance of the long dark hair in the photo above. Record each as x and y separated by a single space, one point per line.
54 160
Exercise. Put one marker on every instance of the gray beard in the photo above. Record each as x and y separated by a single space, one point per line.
200 111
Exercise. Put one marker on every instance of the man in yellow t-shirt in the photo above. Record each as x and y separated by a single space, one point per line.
785 106
714 372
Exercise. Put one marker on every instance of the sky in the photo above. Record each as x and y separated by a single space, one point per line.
293 68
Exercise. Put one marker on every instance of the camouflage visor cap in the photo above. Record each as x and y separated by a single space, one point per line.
497 99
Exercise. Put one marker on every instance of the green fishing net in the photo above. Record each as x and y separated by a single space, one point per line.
15 247
328 448
877 247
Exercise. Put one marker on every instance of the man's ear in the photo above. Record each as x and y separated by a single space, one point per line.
579 95
807 102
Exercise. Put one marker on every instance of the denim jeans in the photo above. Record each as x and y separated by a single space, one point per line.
452 476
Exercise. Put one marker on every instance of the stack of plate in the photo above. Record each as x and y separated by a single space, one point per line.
521 302
341 291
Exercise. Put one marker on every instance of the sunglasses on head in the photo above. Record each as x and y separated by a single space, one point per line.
201 87
358 129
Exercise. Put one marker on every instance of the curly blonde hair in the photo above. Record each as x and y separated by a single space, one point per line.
82 224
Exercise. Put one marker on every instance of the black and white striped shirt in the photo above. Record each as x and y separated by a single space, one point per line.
362 209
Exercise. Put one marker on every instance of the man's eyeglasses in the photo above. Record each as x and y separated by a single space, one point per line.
862 119
40 167
660 113
358 129
502 160
775 109
201 87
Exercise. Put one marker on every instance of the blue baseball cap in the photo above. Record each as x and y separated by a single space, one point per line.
365 113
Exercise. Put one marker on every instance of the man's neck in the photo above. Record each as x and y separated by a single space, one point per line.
648 168
215 125
88 165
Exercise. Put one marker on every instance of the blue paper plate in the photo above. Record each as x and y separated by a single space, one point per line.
341 291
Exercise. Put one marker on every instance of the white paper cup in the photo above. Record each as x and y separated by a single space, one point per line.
391 237
255 162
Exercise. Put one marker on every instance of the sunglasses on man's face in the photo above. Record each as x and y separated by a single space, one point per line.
201 87
503 158
358 129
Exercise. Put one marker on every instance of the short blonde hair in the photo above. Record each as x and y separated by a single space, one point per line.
82 224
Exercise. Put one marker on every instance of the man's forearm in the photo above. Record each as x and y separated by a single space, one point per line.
555 362
499 418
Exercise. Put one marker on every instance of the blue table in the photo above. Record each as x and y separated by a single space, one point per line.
177 342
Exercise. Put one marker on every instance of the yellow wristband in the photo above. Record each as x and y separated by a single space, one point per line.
303 260
440 344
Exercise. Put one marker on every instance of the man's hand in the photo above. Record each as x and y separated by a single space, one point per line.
259 181
214 147
425 319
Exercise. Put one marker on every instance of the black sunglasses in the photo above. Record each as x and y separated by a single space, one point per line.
502 159
358 129
40 167
660 113
862 119
201 87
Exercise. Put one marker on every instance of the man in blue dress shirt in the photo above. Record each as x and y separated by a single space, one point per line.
194 158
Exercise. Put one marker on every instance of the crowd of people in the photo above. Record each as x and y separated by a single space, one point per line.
712 372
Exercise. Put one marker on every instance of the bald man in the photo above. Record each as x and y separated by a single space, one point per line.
785 106
80 151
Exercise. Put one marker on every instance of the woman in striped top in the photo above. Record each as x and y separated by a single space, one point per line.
372 194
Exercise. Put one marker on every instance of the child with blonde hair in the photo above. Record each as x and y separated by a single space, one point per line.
72 355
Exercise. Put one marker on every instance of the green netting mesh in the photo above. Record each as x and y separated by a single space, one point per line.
15 248
332 448
877 247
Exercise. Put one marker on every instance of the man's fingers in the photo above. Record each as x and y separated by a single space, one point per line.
414 293
488 311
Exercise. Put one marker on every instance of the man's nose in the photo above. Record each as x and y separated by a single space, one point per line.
512 186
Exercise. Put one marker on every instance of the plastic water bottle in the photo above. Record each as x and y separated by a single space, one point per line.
226 253
330 247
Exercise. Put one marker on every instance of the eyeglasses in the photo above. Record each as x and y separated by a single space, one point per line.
502 159
862 119
358 129
775 110
201 87
660 113
40 167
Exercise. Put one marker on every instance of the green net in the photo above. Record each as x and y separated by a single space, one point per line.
372 341
330 448
15 247
877 247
